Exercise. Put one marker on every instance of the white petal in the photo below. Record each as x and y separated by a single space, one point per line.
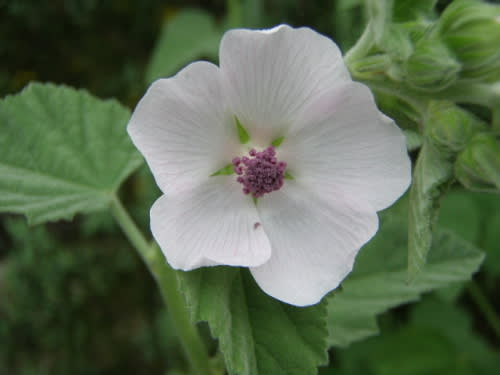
183 129
314 242
349 145
213 223
271 75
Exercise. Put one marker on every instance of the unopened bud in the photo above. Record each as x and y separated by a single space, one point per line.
471 29
478 165
371 64
449 127
431 67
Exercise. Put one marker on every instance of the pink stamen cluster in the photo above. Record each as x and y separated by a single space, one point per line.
260 173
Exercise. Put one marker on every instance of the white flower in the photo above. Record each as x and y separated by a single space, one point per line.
347 160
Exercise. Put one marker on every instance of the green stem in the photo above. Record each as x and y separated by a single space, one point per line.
484 306
362 46
167 282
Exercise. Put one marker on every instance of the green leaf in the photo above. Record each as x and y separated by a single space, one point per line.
378 281
63 152
460 213
432 172
438 339
257 334
190 34
475 217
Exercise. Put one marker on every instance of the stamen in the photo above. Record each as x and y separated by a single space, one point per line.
261 173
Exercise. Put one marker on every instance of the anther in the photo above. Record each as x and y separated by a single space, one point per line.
260 174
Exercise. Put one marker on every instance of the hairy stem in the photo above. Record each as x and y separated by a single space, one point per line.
167 282
362 46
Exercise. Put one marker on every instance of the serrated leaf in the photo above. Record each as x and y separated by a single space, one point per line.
190 34
433 170
378 281
257 334
63 152
475 217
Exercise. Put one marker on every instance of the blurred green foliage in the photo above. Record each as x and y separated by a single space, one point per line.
75 299
74 306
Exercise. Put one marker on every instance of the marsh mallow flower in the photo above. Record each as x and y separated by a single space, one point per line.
275 160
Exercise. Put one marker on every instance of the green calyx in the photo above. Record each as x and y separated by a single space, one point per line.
471 29
431 66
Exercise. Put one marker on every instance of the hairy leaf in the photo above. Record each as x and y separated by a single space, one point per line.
190 34
378 281
437 339
432 171
257 334
63 152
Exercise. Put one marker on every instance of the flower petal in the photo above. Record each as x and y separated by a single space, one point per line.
213 223
314 242
271 75
183 129
349 145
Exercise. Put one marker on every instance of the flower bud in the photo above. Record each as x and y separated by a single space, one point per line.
478 165
449 127
471 29
431 67
396 43
371 64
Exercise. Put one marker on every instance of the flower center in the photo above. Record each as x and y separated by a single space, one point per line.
260 172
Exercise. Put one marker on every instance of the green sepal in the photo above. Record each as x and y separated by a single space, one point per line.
242 132
278 141
224 171
288 176
371 64
471 30
431 66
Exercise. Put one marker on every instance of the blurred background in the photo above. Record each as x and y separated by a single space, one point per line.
74 296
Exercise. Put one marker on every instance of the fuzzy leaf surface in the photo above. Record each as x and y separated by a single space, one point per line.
63 152
257 334
379 282
432 172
